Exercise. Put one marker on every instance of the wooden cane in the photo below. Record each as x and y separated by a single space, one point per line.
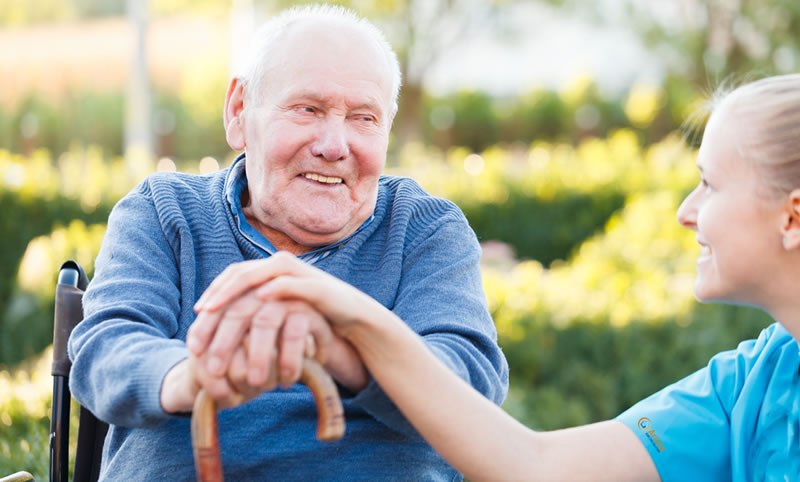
205 438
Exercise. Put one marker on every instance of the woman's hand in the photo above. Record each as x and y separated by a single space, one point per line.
278 330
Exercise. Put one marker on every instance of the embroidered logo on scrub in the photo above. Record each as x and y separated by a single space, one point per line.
646 426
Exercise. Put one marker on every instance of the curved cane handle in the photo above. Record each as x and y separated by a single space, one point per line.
205 439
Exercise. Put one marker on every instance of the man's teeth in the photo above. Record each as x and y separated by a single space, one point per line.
324 179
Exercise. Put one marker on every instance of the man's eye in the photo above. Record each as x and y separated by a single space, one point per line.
305 109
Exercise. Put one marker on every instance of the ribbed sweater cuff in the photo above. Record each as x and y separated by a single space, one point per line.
148 378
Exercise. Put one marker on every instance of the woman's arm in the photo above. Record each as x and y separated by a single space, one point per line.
474 435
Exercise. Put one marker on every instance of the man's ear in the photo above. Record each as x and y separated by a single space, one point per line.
790 224
232 115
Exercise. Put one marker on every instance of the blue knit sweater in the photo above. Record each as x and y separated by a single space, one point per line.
171 236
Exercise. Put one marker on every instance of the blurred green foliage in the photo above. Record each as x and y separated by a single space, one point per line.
590 284
25 395
187 125
477 120
594 311
542 234
590 371
46 207
26 326
14 13
187 118
614 319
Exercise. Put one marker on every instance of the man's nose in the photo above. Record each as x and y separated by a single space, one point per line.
331 142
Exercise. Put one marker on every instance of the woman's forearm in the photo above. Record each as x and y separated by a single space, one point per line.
477 437
468 430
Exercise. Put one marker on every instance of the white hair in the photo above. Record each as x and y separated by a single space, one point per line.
268 38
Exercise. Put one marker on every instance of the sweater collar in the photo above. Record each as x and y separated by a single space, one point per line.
235 184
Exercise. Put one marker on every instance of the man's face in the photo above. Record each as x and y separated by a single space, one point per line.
316 140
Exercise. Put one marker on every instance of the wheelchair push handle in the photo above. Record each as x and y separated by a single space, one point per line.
72 281
205 435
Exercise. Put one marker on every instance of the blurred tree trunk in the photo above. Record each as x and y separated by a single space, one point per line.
138 147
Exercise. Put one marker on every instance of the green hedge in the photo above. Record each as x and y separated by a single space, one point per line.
588 371
26 317
585 337
188 120
542 229
24 218
97 118
477 120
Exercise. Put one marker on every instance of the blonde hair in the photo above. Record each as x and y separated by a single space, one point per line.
268 38
769 113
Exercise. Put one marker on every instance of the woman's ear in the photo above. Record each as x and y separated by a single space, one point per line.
791 221
232 115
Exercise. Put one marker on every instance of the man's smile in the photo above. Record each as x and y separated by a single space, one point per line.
313 176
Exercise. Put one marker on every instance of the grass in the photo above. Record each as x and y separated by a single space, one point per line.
25 401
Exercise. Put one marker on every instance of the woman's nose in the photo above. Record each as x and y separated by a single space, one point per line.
687 212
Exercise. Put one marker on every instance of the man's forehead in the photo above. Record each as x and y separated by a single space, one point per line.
316 59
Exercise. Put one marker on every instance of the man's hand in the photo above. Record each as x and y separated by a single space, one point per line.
184 380
283 277
285 324
180 387
215 336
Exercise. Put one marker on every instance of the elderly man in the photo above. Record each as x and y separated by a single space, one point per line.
312 113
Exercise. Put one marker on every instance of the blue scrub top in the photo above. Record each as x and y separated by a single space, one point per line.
736 419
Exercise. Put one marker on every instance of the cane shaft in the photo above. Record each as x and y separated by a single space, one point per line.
205 435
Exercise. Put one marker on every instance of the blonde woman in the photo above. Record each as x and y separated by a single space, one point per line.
736 419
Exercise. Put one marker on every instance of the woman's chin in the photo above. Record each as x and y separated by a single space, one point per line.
704 293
